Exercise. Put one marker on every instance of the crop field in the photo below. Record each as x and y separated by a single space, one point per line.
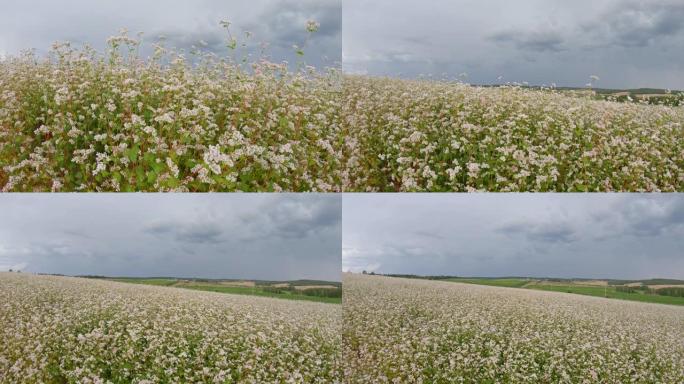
413 331
84 121
610 292
415 135
580 287
68 330
331 293
643 96
512 283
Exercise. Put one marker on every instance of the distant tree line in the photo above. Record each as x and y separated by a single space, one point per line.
408 276
625 289
317 292
671 291
666 291
322 292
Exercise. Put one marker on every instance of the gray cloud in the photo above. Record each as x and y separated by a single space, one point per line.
299 218
281 24
638 24
273 237
188 232
429 235
550 232
537 41
653 217
561 235
627 43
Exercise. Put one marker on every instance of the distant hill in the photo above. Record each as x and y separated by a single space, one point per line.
301 282
663 291
648 282
633 91
654 281
311 290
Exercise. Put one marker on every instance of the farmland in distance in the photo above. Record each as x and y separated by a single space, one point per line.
311 290
663 291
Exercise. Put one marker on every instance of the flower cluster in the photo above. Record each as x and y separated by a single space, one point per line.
421 331
68 330
419 135
79 121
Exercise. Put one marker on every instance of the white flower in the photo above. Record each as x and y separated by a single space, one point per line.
172 167
312 26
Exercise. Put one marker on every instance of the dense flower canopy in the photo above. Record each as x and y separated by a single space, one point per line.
409 135
60 329
79 121
421 331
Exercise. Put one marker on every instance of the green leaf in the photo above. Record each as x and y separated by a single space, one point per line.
158 167
149 158
117 176
139 175
151 177
132 153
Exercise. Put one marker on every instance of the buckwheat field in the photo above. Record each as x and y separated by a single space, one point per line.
68 330
412 135
81 121
420 331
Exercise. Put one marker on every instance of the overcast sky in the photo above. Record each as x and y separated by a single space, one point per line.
538 235
281 23
251 236
627 43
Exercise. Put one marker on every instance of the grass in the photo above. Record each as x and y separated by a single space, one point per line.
257 290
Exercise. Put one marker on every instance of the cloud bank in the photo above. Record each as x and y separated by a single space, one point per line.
272 237
36 24
627 43
543 235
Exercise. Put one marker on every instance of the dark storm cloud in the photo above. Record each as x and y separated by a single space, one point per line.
279 24
627 43
561 235
276 237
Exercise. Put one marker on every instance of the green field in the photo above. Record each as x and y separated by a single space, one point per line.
511 283
258 291
608 292
264 289
161 282
544 285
